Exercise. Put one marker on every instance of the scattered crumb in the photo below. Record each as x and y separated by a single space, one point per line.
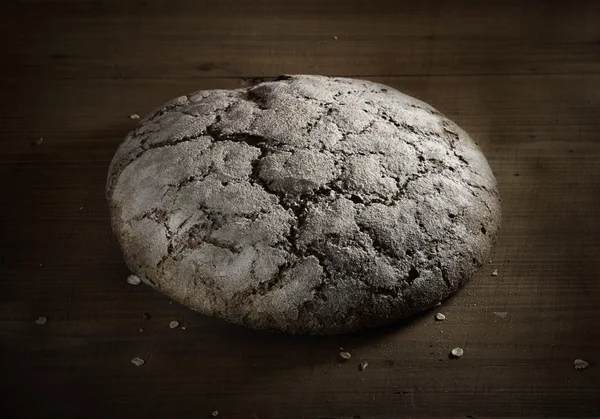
215 413
133 280
145 316
174 324
141 330
41 320
501 314
363 365
580 364
80 208
138 362
335 37
345 355
438 304
457 352
490 261
37 142
440 316
183 327
134 116
495 273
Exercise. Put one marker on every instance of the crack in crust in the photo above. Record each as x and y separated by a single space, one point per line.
405 186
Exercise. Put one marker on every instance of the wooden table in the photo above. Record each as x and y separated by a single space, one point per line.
523 78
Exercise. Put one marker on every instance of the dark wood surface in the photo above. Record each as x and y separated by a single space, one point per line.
522 77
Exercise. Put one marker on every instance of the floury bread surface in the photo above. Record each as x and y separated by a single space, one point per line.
307 204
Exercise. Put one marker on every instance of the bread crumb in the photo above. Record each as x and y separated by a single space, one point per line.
133 280
41 320
141 330
501 314
440 316
174 324
215 413
335 37
363 365
495 273
138 362
183 327
37 142
580 364
345 355
134 116
457 352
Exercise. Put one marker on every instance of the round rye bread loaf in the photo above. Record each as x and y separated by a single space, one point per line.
306 204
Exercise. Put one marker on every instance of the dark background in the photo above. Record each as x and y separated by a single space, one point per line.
522 77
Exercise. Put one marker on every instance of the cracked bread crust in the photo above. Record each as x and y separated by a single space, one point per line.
307 204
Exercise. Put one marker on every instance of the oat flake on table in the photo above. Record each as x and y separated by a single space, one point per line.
138 362
133 280
580 364
457 352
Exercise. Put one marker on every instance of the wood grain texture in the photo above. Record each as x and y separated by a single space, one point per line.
232 38
523 78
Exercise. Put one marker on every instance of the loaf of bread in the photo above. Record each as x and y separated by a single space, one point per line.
307 204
